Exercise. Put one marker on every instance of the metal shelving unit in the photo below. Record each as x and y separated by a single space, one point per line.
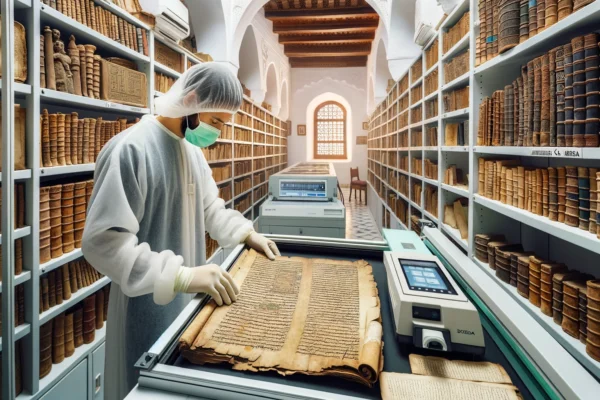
550 240
34 15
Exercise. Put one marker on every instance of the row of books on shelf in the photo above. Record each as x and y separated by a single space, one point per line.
63 211
456 67
60 284
416 70
432 82
432 55
564 194
455 33
505 24
162 82
554 102
71 329
570 297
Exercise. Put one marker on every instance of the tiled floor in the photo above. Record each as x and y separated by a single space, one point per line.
360 223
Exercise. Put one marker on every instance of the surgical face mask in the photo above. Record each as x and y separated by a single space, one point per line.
203 135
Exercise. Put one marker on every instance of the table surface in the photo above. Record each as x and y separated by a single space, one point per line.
394 359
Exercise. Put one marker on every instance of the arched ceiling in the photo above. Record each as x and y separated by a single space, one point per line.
324 33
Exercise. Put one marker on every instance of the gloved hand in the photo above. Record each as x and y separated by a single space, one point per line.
209 279
260 243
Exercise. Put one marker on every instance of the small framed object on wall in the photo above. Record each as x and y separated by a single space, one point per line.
365 126
301 130
361 139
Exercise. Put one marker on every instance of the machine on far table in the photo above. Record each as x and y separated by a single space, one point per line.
303 201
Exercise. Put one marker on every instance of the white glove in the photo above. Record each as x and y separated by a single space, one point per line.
209 279
258 242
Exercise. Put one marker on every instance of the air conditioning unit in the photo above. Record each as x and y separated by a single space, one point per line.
427 15
172 18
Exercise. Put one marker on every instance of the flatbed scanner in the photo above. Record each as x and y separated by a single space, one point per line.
303 201
429 309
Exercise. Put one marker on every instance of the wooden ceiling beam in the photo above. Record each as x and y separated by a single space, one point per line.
328 62
316 14
327 51
327 27
320 39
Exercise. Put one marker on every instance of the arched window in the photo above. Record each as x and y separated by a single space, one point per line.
330 131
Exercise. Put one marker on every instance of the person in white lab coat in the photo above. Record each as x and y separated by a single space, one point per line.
153 199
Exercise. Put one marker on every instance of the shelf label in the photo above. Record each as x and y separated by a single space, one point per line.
110 104
558 152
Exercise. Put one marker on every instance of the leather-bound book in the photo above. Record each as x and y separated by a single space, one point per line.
74 138
551 13
552 194
46 159
69 335
522 92
508 115
78 326
80 135
545 193
59 285
481 245
579 92
503 260
523 20
541 15
571 306
73 276
593 200
593 319
565 8
53 126
67 150
79 212
516 111
584 197
551 96
530 108
45 348
537 100
545 111
572 201
523 276
60 139
569 95
508 25
451 136
99 309
45 296
67 206
562 193
532 18
592 90
66 279
89 319
514 265
55 221
19 253
20 300
560 96
58 339
51 289
547 272
535 272
106 290
579 4
42 64
557 293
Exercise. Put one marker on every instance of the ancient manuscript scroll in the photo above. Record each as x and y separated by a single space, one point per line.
457 369
416 387
294 315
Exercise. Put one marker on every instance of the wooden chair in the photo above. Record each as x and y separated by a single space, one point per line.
357 185
340 193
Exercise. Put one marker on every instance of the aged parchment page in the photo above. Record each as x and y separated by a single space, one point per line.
463 370
417 387
294 315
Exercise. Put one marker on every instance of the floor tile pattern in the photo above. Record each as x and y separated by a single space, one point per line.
360 223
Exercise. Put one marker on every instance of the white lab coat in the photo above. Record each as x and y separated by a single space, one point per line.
154 197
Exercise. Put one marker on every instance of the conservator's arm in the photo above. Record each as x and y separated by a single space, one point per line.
110 243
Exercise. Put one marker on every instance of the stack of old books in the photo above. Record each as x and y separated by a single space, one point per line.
62 218
456 99
553 103
431 200
431 136
60 336
58 285
431 169
456 67
570 297
563 194
70 140
506 23
456 32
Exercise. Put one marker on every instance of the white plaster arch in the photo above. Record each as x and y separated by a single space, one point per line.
250 72
209 25
381 72
272 92
402 50
310 129
284 109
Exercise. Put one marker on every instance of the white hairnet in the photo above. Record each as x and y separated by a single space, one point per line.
208 87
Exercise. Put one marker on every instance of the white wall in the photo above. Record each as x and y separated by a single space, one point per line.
349 83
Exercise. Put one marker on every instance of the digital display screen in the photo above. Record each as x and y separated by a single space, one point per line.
302 189
425 276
